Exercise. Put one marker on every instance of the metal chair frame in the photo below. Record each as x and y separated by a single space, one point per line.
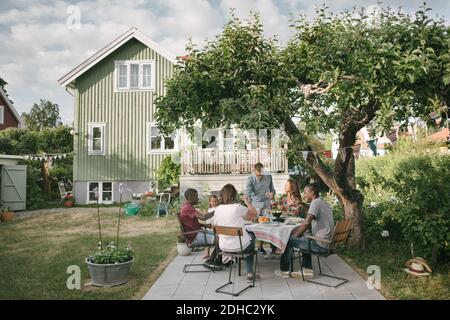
236 259
341 234
163 204
187 266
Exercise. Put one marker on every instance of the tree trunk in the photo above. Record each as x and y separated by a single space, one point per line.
45 177
353 212
341 181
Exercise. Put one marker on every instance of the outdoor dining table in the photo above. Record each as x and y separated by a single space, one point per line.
275 233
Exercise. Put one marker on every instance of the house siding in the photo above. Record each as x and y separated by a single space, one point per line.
125 114
10 120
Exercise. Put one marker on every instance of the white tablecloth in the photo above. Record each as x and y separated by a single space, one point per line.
276 233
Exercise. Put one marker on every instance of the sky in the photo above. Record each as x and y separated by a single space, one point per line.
42 40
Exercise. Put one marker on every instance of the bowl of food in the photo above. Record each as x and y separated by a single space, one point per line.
263 219
276 213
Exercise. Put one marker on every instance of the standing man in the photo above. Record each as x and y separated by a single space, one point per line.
260 191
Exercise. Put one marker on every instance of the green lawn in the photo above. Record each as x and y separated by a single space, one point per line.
395 283
35 253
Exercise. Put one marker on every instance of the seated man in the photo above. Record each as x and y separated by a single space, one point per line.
320 216
189 217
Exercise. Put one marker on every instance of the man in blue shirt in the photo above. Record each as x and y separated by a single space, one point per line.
260 191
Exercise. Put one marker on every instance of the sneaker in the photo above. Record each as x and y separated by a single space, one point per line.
262 251
250 278
307 273
283 274
211 266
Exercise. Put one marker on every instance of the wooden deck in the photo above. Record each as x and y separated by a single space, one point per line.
230 161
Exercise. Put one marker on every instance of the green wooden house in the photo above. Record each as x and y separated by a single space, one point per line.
116 139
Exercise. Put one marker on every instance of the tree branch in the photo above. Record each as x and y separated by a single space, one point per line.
309 90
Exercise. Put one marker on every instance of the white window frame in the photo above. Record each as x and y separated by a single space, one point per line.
141 64
2 114
163 142
100 192
91 127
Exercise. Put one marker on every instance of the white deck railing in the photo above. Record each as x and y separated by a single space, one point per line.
216 161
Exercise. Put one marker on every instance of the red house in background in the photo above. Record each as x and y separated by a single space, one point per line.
9 118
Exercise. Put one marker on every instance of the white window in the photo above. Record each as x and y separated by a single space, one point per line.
104 191
159 143
135 75
2 114
96 139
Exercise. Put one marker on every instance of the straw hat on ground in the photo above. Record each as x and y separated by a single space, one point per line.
417 267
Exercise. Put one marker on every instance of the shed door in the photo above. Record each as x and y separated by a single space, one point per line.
14 187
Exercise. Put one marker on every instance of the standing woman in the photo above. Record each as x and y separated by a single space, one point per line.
291 203
232 214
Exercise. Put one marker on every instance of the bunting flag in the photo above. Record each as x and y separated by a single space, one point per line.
327 154
305 154
392 136
46 157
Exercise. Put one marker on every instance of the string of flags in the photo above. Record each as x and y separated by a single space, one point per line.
328 154
46 156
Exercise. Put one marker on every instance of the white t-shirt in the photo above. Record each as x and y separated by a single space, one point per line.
210 220
231 215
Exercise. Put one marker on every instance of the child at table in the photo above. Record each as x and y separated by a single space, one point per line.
213 202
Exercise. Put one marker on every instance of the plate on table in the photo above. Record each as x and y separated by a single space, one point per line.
294 220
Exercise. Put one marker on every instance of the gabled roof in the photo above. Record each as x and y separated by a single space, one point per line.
10 105
111 47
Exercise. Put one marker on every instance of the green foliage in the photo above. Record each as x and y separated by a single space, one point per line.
42 115
409 193
149 209
35 197
168 173
25 141
233 80
111 254
369 68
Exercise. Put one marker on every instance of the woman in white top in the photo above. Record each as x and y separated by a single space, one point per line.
232 214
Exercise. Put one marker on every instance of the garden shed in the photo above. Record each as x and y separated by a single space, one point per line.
13 182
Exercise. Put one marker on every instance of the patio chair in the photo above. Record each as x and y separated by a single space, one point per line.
340 237
236 257
62 191
163 204
187 266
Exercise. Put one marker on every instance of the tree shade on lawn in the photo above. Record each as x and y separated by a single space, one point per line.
338 73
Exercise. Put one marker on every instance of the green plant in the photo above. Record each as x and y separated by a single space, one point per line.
149 209
168 173
112 254
407 191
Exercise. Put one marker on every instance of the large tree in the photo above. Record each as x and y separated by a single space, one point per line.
338 73
43 115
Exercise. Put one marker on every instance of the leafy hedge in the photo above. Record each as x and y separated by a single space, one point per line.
408 194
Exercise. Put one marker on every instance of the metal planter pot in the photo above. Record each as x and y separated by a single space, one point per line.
109 275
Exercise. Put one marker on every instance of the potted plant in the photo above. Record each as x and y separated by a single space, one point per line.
7 214
182 247
68 200
110 266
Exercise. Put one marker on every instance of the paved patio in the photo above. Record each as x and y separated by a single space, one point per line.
176 285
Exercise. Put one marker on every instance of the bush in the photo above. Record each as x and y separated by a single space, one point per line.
168 173
407 191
